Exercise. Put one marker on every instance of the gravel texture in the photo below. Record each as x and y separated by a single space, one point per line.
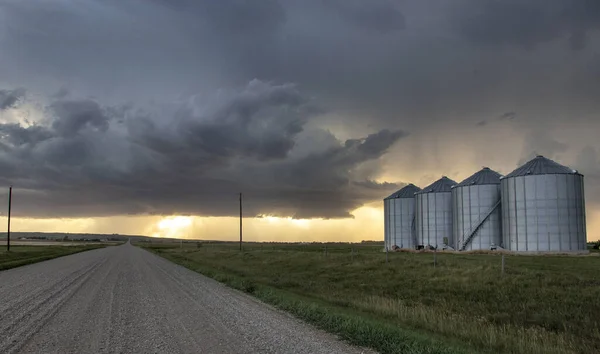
123 299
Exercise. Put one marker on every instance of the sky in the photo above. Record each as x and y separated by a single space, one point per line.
151 116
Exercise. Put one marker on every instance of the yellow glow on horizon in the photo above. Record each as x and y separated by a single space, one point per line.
275 220
367 224
303 223
271 219
173 226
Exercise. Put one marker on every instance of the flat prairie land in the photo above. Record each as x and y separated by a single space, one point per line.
22 255
411 303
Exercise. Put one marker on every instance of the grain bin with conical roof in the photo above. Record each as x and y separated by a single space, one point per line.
477 219
433 214
543 208
399 213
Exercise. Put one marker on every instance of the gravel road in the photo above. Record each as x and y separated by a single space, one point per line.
123 299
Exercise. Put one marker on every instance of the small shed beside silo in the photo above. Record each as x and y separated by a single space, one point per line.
543 208
433 215
399 214
477 218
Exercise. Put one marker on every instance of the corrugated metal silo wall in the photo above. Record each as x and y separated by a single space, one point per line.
403 231
433 217
391 224
544 213
386 223
471 205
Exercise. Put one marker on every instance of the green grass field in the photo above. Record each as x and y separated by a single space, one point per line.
542 304
23 255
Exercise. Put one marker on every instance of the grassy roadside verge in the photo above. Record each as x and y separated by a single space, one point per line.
542 304
23 255
356 327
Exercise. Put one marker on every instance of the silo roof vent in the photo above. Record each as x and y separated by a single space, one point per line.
443 184
407 192
541 166
484 176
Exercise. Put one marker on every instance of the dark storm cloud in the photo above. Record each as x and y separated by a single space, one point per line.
528 23
378 15
243 16
508 116
15 135
434 68
72 116
10 98
261 122
233 15
83 163
389 60
60 93
334 166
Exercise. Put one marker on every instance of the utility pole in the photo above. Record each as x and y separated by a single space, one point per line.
240 221
8 229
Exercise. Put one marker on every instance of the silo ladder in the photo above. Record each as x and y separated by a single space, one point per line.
476 228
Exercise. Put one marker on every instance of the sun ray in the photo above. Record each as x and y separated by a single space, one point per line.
173 227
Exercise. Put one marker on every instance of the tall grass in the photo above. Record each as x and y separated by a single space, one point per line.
502 338
542 304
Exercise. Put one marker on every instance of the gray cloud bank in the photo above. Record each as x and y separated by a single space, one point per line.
529 23
90 160
10 98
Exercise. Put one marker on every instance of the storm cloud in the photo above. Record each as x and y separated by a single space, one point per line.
305 106
10 98
85 162
529 23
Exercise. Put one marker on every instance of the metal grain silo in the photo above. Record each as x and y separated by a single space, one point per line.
433 214
399 212
477 218
543 208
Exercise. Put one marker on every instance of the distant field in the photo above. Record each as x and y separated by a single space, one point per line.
23 255
53 243
542 304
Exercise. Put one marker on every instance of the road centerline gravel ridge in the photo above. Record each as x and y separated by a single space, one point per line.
123 299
